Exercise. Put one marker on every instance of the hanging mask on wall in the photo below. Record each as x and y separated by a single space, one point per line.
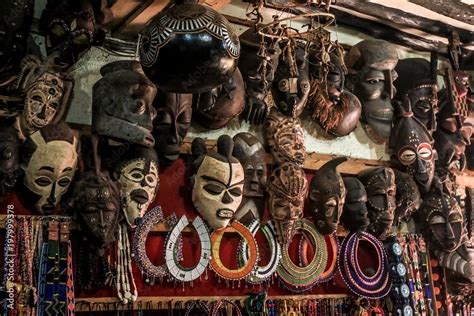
173 118
443 220
189 48
380 186
137 175
290 88
354 216
46 95
49 159
371 65
411 149
96 202
251 154
216 108
285 137
9 156
417 84
122 103
287 188
408 197
326 196
218 183
336 110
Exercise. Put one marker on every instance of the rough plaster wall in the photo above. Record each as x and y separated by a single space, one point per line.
357 144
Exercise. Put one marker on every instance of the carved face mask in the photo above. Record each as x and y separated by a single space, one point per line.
411 149
216 108
371 65
9 152
97 204
379 183
137 175
417 84
287 187
336 110
285 137
354 216
408 197
49 162
171 124
122 103
218 184
326 196
444 221
290 88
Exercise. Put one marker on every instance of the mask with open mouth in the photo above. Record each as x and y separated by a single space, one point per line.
138 178
354 216
218 182
380 186
326 196
9 156
371 65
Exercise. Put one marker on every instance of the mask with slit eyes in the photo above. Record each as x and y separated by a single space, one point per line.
97 205
371 65
411 149
354 216
173 118
49 159
287 188
285 137
138 179
9 156
326 196
380 186
290 88
218 183
122 103
443 221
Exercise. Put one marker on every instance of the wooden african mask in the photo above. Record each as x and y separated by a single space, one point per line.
216 108
411 149
408 197
49 159
251 154
287 188
290 87
443 221
371 65
380 186
285 137
189 48
9 156
122 103
218 183
354 215
173 118
46 95
326 196
335 109
137 175
417 84
96 202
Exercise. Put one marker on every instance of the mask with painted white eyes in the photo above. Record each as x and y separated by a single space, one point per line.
326 196
411 148
285 138
9 156
291 86
380 186
49 160
371 65
218 182
122 104
354 216
137 175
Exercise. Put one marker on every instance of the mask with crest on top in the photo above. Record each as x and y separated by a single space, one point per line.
218 182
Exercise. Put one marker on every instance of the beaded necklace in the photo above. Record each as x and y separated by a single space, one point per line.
332 242
42 279
126 288
261 273
174 267
218 305
198 304
376 286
